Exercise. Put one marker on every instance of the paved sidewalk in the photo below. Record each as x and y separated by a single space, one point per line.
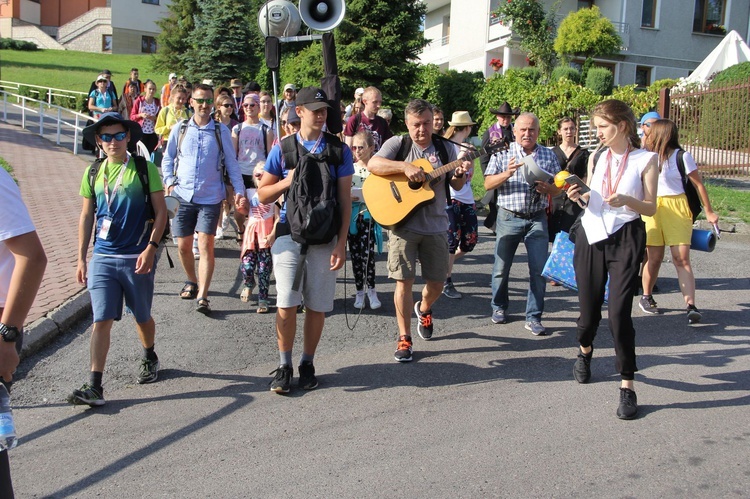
49 177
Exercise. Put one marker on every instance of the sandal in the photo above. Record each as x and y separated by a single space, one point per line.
203 306
246 294
262 306
189 290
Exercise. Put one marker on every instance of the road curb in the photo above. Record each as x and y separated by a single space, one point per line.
44 330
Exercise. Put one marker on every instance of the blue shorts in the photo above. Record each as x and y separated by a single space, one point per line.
193 217
112 279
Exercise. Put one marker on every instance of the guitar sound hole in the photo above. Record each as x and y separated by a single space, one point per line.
413 185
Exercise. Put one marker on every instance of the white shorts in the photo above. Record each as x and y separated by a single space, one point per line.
318 284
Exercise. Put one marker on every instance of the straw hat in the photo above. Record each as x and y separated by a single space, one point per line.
461 118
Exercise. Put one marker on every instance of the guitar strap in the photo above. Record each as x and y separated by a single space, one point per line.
442 152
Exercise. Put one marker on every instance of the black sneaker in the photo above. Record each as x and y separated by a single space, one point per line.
648 305
307 379
424 322
282 380
628 408
693 314
582 367
449 291
87 395
403 349
149 371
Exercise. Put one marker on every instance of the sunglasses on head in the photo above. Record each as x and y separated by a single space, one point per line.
203 101
107 137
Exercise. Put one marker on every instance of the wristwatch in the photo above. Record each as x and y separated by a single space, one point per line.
9 333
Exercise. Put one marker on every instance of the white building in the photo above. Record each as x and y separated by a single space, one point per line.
661 38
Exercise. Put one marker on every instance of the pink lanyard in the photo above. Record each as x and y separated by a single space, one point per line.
118 182
607 189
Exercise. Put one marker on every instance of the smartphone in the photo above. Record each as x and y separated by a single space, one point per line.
576 180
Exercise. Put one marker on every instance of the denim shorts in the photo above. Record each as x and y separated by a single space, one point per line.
113 279
193 217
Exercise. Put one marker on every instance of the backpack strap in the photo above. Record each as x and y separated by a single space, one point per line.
334 149
443 155
598 155
180 137
93 170
681 166
222 157
141 168
289 151
264 129
405 148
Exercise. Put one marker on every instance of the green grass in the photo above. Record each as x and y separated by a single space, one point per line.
730 203
6 166
72 70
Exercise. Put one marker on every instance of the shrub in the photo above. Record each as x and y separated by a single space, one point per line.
450 91
600 81
733 75
9 43
566 72
532 74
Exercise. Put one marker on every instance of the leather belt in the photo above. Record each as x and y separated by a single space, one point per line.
525 216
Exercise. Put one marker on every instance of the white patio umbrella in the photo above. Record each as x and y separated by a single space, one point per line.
732 50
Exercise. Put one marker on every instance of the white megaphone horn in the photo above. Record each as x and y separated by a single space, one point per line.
279 18
322 15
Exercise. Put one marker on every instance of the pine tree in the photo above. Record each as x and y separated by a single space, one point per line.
224 41
173 41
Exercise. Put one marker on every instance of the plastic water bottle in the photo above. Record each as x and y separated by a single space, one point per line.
8 438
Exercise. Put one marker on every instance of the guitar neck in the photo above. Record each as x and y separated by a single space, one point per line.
452 165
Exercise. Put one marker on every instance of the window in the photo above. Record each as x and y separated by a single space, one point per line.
642 76
648 15
106 43
585 4
709 17
148 44
152 2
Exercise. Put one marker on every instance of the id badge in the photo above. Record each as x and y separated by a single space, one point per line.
104 230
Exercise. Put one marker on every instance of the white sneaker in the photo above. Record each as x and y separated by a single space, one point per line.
225 223
359 300
219 233
196 253
372 297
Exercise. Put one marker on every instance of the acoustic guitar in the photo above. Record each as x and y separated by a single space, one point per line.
393 199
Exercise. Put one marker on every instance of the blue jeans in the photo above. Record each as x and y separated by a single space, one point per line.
511 230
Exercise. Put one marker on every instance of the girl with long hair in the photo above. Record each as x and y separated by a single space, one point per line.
611 240
672 224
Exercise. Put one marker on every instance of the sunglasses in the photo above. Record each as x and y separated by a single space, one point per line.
203 101
258 175
107 137
359 148
265 101
647 125
248 105
226 105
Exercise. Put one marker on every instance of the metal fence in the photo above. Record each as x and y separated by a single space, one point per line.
714 126
52 122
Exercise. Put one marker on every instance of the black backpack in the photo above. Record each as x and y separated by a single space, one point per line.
312 209
693 198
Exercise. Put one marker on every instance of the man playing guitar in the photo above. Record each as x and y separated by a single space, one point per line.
423 235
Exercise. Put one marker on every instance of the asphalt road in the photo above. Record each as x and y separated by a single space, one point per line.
484 410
